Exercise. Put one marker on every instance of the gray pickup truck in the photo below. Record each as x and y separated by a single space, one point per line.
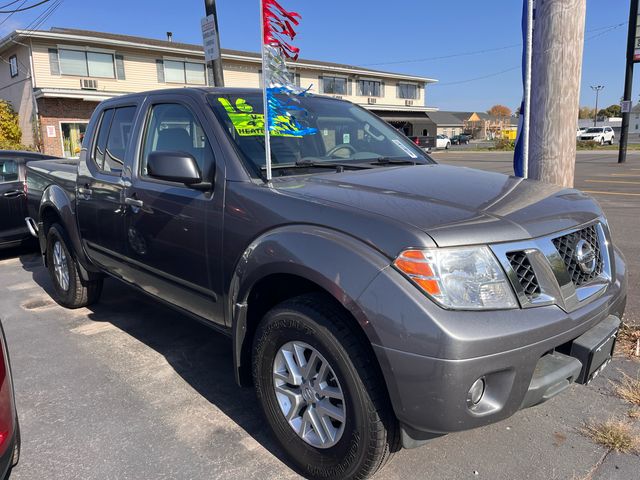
374 298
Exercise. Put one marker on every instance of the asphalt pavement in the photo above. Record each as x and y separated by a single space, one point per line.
130 389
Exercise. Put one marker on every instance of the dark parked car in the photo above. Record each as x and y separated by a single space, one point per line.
13 199
373 298
461 139
9 427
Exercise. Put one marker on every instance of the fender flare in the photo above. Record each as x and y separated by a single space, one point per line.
340 264
56 198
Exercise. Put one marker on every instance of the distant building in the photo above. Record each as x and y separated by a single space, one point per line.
55 79
480 125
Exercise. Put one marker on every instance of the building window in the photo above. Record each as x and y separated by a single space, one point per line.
408 91
184 72
334 85
369 88
13 66
72 137
81 63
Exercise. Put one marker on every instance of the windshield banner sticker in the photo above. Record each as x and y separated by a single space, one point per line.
249 124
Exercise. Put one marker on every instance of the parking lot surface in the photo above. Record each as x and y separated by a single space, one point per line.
131 389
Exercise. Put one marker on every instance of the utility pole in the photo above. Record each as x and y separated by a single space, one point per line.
558 42
628 79
215 63
596 88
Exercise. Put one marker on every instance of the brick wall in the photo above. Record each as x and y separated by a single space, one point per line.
55 110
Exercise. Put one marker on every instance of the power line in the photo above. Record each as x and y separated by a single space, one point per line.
9 4
22 9
606 28
495 74
12 13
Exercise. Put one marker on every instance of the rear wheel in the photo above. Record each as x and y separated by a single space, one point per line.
70 289
321 391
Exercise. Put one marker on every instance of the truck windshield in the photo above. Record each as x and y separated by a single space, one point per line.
595 130
331 131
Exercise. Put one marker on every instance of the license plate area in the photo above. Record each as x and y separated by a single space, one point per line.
594 348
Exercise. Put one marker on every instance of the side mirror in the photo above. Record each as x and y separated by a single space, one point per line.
179 167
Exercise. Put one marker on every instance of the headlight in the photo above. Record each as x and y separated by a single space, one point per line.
467 278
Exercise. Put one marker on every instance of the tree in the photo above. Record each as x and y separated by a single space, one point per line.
10 133
499 111
586 112
610 111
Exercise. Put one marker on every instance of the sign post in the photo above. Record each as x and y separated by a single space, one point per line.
211 41
633 55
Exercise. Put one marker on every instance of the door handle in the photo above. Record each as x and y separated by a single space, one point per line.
13 193
86 192
133 202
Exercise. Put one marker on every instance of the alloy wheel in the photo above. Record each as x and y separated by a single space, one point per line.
60 266
309 394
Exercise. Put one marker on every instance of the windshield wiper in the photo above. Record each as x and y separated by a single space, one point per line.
393 161
315 164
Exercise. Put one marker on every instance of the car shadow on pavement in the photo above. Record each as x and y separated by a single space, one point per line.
199 354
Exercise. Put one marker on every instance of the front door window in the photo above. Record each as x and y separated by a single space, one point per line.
72 136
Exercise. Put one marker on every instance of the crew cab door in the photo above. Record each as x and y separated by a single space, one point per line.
173 231
13 204
100 187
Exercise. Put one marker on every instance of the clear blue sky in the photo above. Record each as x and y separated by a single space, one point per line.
367 32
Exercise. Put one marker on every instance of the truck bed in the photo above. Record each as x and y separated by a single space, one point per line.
41 174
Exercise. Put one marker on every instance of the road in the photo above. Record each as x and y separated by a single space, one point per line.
129 389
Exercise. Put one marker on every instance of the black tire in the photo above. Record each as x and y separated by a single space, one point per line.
371 433
79 292
601 140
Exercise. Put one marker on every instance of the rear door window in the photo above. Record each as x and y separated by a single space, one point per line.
9 171
114 137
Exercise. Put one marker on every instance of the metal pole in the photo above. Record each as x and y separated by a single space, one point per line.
596 88
527 90
628 80
265 103
216 64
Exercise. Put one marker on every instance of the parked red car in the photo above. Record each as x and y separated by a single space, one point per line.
9 428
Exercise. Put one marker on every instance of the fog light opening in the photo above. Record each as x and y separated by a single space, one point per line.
476 392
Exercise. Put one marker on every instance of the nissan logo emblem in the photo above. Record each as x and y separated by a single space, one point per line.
585 256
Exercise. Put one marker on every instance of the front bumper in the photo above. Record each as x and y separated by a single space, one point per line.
438 354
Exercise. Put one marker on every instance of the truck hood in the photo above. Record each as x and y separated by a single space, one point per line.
453 205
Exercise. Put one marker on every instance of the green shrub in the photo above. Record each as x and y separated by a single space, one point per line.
504 144
587 145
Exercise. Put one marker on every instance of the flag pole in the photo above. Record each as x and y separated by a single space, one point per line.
527 90
265 101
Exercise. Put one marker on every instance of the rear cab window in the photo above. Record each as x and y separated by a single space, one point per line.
113 139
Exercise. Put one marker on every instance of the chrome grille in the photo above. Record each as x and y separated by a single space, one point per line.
524 271
566 246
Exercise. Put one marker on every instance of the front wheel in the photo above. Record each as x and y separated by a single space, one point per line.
70 289
321 391
602 141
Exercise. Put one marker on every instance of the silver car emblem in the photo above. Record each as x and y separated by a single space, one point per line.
585 256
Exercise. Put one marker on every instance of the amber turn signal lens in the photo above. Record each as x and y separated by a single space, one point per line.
414 268
430 286
414 264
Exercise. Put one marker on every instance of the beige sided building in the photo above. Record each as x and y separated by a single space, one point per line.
54 79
